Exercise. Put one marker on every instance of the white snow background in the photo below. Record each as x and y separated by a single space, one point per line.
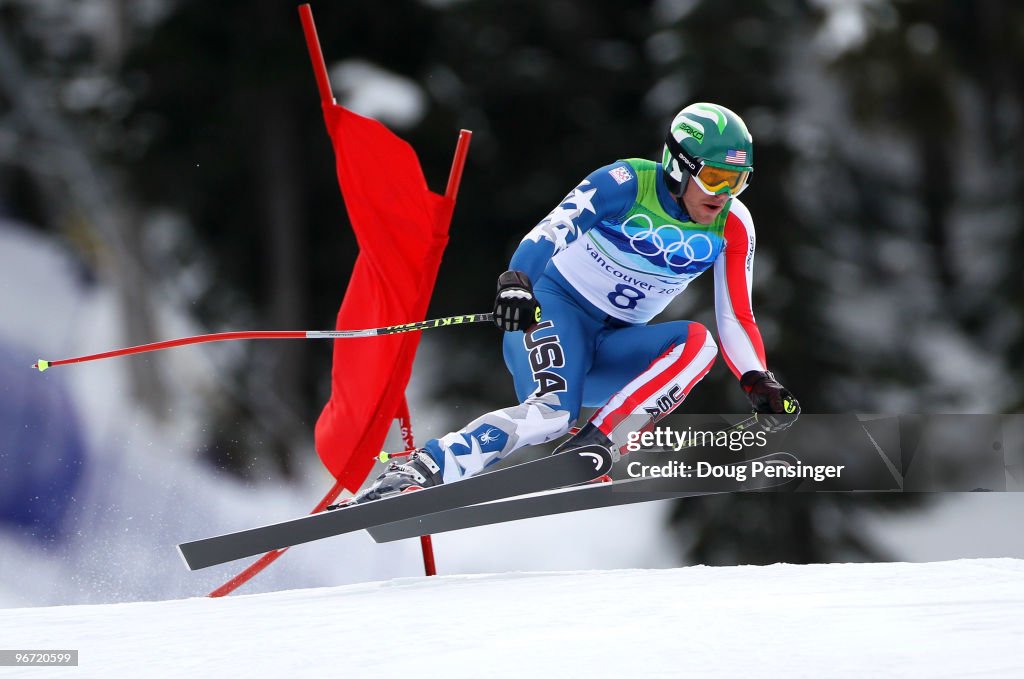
948 619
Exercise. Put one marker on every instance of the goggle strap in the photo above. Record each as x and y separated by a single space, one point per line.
680 154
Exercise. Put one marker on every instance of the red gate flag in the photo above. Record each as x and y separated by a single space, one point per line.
402 229
392 213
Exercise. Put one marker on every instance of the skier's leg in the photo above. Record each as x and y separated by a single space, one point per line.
642 373
548 365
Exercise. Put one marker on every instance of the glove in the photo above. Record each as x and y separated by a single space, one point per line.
515 307
771 399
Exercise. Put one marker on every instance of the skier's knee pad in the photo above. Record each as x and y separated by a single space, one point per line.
539 420
534 421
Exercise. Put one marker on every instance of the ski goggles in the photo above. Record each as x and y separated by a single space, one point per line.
709 179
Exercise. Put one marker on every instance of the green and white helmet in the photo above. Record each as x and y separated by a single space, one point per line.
713 145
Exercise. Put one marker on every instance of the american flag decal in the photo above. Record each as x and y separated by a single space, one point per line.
736 157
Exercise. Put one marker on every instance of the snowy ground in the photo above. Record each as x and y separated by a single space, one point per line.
946 619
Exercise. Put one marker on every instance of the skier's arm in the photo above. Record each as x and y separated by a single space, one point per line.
606 193
742 347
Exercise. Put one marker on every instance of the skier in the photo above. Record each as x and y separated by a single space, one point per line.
601 265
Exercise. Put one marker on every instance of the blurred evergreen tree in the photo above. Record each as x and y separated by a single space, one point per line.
894 217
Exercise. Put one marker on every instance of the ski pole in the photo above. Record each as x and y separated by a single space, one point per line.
42 365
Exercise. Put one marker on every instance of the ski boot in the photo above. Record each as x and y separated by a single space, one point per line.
417 472
587 436
590 435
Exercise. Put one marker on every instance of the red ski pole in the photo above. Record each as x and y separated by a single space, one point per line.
42 364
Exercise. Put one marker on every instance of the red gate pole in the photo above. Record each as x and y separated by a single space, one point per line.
454 180
405 426
316 56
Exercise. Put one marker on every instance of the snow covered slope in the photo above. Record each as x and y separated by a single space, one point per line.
946 619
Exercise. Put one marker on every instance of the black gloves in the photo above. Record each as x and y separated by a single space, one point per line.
515 307
770 398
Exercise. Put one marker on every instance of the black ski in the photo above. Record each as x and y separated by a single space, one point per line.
574 499
564 469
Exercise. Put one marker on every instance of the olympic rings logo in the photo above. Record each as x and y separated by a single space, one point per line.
669 241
